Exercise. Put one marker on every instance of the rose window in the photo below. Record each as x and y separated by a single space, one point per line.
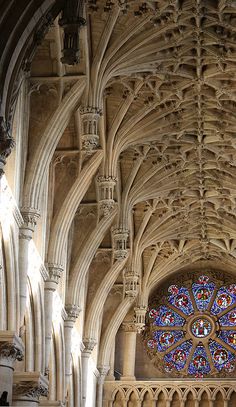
193 331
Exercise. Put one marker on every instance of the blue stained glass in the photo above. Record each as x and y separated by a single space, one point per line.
228 337
167 339
202 293
199 363
224 298
182 301
228 319
178 356
167 317
220 355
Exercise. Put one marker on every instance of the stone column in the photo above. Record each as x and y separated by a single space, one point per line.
130 335
89 344
72 314
90 137
30 217
55 272
11 349
196 403
103 372
106 186
119 238
28 387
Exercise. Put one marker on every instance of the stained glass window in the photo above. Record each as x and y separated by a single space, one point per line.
192 332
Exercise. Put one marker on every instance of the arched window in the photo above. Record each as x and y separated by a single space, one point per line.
192 332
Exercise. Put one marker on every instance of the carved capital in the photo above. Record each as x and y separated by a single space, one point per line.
29 390
11 352
89 344
55 271
29 386
11 347
73 312
30 216
129 327
6 143
103 370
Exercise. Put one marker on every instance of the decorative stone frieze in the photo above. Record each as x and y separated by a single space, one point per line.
90 137
120 237
106 186
130 283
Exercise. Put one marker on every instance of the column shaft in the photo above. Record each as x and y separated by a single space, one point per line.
130 335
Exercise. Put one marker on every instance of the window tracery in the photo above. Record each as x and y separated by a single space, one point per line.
192 332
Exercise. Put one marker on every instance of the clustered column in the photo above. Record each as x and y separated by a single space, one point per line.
30 217
55 272
89 344
72 311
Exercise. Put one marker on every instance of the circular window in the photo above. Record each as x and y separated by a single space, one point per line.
201 328
193 331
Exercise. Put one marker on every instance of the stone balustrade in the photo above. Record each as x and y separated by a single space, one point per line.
177 393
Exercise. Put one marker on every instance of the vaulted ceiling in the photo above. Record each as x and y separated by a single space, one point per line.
159 78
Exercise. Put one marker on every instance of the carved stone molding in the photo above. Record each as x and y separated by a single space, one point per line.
120 237
11 347
129 326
